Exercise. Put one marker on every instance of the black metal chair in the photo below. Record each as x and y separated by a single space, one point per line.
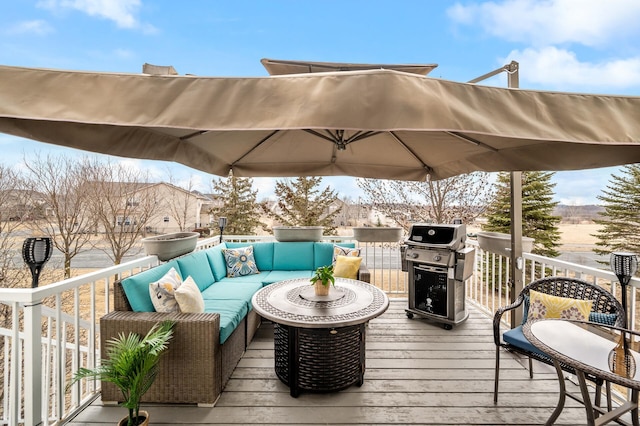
606 310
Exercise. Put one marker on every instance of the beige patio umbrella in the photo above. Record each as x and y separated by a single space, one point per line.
285 67
371 123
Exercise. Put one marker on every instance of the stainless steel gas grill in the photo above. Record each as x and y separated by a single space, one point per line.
438 263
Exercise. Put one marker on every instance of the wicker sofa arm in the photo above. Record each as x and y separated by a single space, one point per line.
497 318
189 370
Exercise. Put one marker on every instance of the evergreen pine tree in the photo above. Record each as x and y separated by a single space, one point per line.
300 203
239 205
620 222
538 221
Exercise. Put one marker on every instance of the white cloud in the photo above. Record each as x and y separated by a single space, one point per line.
551 67
122 12
587 22
37 27
124 53
580 187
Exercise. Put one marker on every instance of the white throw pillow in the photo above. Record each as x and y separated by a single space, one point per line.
189 297
162 292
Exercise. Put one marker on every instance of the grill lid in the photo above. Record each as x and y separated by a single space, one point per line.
451 237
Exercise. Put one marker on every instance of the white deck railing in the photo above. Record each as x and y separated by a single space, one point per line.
54 330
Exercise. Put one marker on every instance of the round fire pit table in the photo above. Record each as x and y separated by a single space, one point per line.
319 341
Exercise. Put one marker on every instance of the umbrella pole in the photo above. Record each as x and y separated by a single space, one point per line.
517 262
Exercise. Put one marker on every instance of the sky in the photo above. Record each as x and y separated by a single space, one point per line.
588 46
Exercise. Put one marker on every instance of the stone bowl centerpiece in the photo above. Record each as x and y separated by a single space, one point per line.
298 233
168 246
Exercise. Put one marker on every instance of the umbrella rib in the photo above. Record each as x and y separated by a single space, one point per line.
404 145
194 134
471 140
362 135
320 135
263 140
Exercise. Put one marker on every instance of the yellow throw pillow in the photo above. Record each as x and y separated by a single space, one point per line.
347 267
543 305
189 297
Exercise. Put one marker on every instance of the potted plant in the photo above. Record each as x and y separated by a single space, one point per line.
321 279
132 365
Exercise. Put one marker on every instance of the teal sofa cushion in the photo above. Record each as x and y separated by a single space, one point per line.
197 266
262 253
276 276
231 314
293 256
216 261
323 253
230 288
136 287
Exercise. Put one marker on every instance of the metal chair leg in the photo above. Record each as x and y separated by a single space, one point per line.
561 397
497 376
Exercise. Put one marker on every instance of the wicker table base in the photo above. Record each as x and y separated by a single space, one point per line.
319 341
319 359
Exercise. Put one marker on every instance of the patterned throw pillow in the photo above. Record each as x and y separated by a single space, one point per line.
240 262
189 297
544 305
344 251
162 292
347 267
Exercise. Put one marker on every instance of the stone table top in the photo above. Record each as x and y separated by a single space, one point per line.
293 303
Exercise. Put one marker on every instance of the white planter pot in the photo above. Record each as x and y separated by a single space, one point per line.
499 243
168 246
298 233
370 234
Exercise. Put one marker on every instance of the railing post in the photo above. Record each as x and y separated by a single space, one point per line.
33 364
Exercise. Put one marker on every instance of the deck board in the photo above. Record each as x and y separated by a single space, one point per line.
417 374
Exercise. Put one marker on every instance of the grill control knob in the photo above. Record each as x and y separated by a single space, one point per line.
414 255
437 257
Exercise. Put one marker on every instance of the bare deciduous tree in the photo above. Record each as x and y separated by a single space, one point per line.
462 197
181 204
122 202
14 208
62 181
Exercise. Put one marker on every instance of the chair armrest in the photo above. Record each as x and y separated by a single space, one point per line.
497 318
363 273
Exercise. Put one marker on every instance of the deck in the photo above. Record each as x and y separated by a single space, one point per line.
417 374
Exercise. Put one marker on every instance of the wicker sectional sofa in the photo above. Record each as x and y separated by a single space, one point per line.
206 347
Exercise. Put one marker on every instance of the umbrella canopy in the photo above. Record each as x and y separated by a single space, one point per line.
283 67
372 123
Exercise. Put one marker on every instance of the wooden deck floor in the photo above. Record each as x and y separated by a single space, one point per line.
417 374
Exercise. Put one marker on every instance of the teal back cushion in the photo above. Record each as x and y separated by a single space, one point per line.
197 266
323 253
136 287
293 256
216 261
262 253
